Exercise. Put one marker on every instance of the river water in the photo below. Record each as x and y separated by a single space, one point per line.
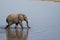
43 16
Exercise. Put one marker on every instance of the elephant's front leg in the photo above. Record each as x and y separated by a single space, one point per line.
20 22
16 25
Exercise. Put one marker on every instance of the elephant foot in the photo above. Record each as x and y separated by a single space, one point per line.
15 27
22 27
29 27
6 26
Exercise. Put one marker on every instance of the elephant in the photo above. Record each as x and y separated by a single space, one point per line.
16 19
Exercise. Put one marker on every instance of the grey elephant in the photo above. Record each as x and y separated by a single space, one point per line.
16 19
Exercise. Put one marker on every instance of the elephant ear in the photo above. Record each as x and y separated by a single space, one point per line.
20 17
24 16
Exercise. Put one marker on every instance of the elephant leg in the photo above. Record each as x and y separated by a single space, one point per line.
10 23
16 25
20 22
6 26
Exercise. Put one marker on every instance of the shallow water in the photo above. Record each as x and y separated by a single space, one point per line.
43 16
35 33
14 34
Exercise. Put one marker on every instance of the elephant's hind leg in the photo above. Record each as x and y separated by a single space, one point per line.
10 23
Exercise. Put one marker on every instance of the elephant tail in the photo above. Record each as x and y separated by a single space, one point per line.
6 20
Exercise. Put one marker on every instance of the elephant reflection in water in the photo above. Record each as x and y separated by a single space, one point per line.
17 34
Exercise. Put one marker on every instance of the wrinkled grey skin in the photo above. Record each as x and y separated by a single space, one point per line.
16 19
